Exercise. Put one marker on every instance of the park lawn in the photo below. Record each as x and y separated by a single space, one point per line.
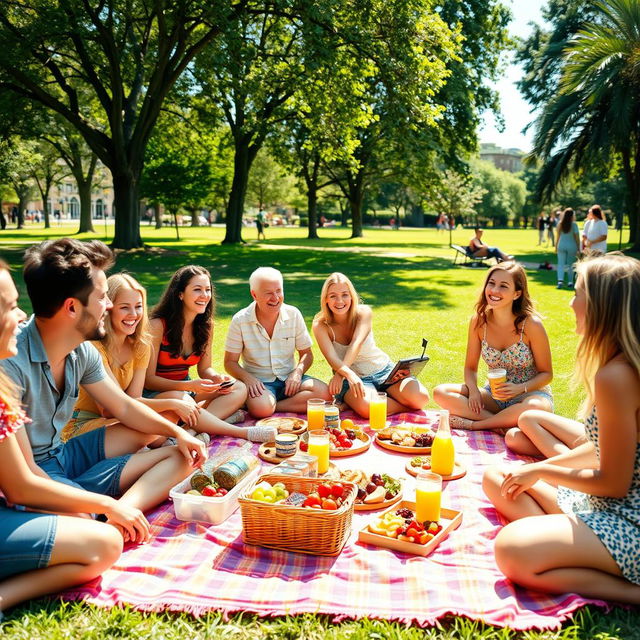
408 279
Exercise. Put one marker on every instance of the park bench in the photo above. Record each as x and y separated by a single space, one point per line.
469 261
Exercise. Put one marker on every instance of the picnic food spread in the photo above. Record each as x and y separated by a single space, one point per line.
373 489
404 525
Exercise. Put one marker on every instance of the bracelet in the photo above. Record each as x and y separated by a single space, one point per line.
525 388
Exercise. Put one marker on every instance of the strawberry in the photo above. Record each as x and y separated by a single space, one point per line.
209 491
304 446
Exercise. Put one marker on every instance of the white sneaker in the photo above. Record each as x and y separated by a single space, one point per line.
239 416
261 434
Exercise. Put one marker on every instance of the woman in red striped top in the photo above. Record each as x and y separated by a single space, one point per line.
182 331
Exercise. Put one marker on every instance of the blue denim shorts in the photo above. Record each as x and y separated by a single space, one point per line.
81 462
276 388
375 380
503 404
152 393
26 540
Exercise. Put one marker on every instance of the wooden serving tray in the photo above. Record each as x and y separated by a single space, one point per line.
459 470
284 424
391 446
449 519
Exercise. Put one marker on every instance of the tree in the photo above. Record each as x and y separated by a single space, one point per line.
504 194
268 183
126 57
18 161
456 195
595 117
47 172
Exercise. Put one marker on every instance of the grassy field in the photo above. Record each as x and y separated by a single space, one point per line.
408 278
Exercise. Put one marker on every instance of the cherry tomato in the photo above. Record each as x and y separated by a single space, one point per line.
337 490
324 490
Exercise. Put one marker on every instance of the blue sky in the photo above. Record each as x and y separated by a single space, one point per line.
514 109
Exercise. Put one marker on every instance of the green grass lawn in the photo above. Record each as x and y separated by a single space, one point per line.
408 279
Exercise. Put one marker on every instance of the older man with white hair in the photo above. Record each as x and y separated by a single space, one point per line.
266 335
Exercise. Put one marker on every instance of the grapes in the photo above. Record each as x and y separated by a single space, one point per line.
361 493
405 513
376 478
371 487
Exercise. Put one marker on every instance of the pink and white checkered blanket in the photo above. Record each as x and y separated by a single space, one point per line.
190 566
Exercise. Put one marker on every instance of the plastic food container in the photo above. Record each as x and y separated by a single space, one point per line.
203 508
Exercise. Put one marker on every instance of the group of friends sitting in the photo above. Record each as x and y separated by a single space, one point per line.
99 416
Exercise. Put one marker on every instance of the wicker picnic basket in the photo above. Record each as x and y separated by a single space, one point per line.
313 531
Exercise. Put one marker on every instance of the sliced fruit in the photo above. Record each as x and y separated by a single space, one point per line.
377 495
375 527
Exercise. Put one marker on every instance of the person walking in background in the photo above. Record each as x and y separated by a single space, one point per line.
552 223
594 232
261 220
567 246
540 224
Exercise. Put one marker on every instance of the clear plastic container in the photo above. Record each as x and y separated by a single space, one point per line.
204 508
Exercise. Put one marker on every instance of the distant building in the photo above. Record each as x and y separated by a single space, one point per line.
505 159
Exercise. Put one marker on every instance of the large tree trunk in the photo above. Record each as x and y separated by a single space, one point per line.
127 210
84 191
156 214
195 217
242 161
356 197
632 179
312 209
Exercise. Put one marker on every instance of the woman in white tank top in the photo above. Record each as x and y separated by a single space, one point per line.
343 331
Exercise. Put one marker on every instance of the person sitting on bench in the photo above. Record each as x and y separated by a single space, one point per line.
478 249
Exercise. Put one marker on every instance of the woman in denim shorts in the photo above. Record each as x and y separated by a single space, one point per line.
344 333
43 553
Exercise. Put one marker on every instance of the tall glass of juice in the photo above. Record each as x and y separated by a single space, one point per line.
315 413
319 447
428 496
378 411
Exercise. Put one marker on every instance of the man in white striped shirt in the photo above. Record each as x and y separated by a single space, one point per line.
266 335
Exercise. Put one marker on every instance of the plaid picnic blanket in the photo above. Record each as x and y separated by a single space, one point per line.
194 567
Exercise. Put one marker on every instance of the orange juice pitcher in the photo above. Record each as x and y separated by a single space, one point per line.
442 450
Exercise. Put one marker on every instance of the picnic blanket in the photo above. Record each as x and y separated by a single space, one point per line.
194 567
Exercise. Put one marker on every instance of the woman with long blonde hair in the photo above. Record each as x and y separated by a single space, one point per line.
507 334
575 518
43 553
125 352
344 332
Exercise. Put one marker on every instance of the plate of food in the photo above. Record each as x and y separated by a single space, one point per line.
342 443
375 490
405 439
423 463
284 424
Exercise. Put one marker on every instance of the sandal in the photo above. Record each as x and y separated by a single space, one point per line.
458 422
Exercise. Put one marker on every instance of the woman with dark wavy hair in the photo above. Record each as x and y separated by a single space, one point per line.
182 330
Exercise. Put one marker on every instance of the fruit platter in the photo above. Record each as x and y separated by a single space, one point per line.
284 424
328 496
423 463
398 529
342 442
375 491
405 439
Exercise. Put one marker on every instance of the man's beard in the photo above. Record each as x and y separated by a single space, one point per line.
89 327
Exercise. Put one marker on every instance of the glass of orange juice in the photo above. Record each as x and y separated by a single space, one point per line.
315 413
428 496
319 447
378 411
496 377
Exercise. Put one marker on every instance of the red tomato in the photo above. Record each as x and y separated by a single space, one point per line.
209 491
312 501
337 490
304 446
222 491
324 490
329 505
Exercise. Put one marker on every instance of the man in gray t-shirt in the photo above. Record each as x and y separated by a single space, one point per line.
68 290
